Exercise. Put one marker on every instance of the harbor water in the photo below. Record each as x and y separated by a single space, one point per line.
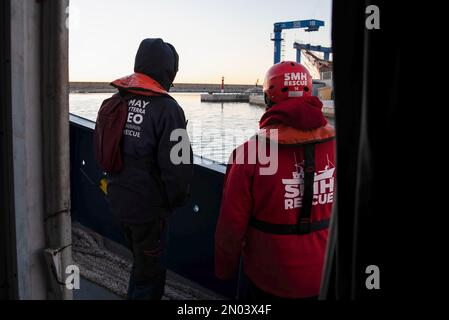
215 129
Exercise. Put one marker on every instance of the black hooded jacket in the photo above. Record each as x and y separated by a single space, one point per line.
150 184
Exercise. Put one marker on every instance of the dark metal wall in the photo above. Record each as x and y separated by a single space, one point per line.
386 199
191 233
5 151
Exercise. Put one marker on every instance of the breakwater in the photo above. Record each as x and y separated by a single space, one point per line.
104 87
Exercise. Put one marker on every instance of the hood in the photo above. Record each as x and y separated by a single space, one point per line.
296 121
158 60
302 113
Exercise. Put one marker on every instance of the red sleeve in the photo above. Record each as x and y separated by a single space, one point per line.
236 207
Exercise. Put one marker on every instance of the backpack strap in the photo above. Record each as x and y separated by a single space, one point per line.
304 220
304 224
287 229
124 95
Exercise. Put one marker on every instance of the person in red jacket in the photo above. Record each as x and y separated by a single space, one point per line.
277 220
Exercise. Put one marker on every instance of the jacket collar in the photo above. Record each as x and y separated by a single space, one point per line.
139 83
290 136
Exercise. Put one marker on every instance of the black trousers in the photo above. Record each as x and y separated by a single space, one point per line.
147 243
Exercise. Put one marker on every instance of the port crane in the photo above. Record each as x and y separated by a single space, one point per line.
300 46
310 25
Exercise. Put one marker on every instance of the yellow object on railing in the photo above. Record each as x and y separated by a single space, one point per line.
104 185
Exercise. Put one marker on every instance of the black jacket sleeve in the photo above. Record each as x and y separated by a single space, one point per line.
175 156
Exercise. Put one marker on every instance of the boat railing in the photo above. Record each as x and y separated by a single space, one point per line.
191 228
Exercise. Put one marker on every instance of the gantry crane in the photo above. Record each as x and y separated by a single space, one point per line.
309 25
299 46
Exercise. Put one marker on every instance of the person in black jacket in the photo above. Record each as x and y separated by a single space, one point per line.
158 164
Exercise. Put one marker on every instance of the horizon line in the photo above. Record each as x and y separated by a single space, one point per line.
178 83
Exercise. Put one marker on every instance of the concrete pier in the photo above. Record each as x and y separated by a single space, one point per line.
328 108
225 97
257 99
328 105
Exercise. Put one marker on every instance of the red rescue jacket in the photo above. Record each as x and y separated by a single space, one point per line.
260 214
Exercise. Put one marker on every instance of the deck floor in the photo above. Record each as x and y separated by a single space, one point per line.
105 267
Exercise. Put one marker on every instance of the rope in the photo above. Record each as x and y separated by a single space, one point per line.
111 271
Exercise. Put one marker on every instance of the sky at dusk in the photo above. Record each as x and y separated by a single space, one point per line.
213 38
